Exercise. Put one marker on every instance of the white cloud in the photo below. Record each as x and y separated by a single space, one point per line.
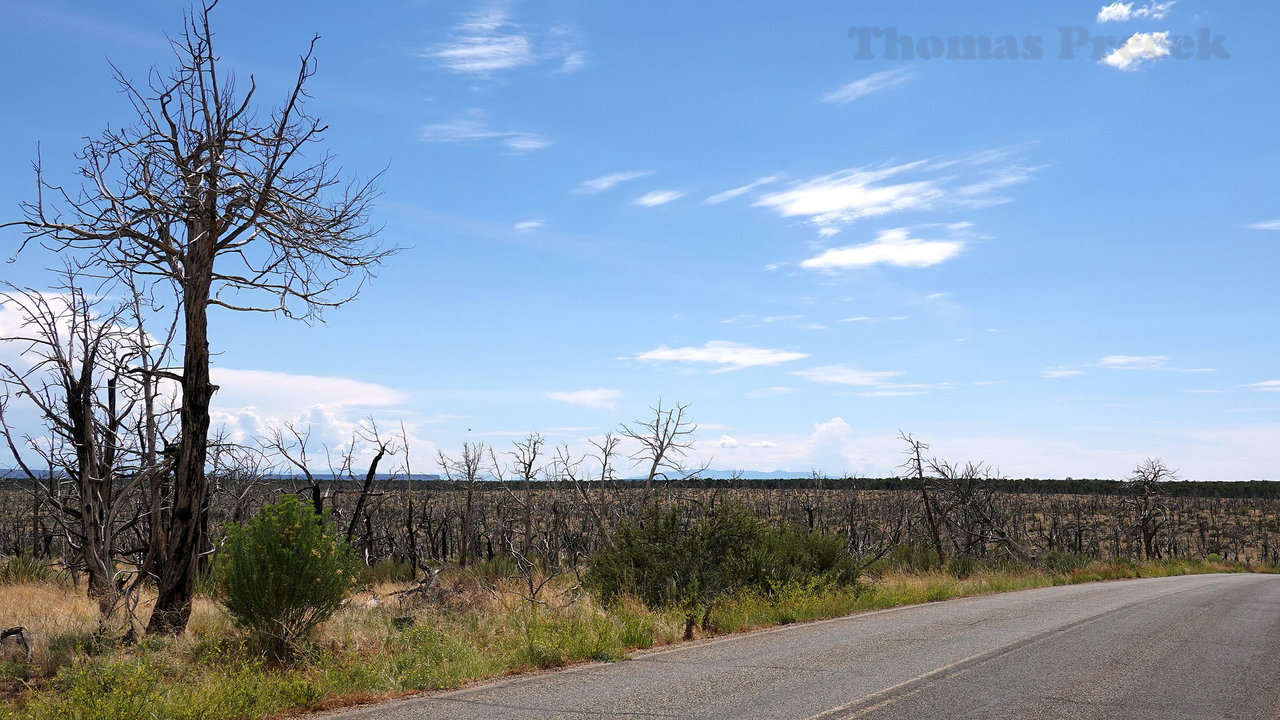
1123 11
762 444
1267 225
832 201
606 182
867 85
597 399
1133 362
892 247
730 355
474 129
250 403
573 62
845 375
1139 49
489 42
843 197
726 441
527 225
655 198
485 43
1266 386
728 195
285 392
1056 373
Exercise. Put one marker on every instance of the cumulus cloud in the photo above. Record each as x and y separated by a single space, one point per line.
474 129
726 441
606 182
892 247
1123 11
1139 49
728 355
728 195
655 198
872 83
1133 362
597 399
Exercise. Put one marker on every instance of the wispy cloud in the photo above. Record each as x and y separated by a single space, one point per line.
1266 225
1123 11
597 399
1061 372
527 225
654 198
845 375
486 42
727 355
872 83
832 201
607 182
874 383
1138 50
843 197
1133 362
728 195
1265 386
892 247
573 62
490 42
474 129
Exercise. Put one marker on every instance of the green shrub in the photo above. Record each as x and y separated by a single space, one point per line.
909 558
798 556
392 570
1064 562
691 564
27 568
667 561
962 566
283 573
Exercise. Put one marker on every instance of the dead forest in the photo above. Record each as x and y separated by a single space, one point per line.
478 511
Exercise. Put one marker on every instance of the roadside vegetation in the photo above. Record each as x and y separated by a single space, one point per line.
665 578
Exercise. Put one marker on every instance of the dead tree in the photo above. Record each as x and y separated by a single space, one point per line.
467 470
915 467
224 207
525 465
973 511
1145 502
89 379
664 441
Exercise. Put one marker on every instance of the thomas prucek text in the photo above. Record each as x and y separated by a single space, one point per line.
1069 43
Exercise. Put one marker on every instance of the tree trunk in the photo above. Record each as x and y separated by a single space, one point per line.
184 527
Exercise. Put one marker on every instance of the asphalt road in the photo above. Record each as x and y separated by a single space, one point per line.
1203 646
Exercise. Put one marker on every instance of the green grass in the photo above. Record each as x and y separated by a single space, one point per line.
362 655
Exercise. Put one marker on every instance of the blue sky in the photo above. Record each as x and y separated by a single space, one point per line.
1057 265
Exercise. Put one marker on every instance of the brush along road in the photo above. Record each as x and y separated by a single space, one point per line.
1201 646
